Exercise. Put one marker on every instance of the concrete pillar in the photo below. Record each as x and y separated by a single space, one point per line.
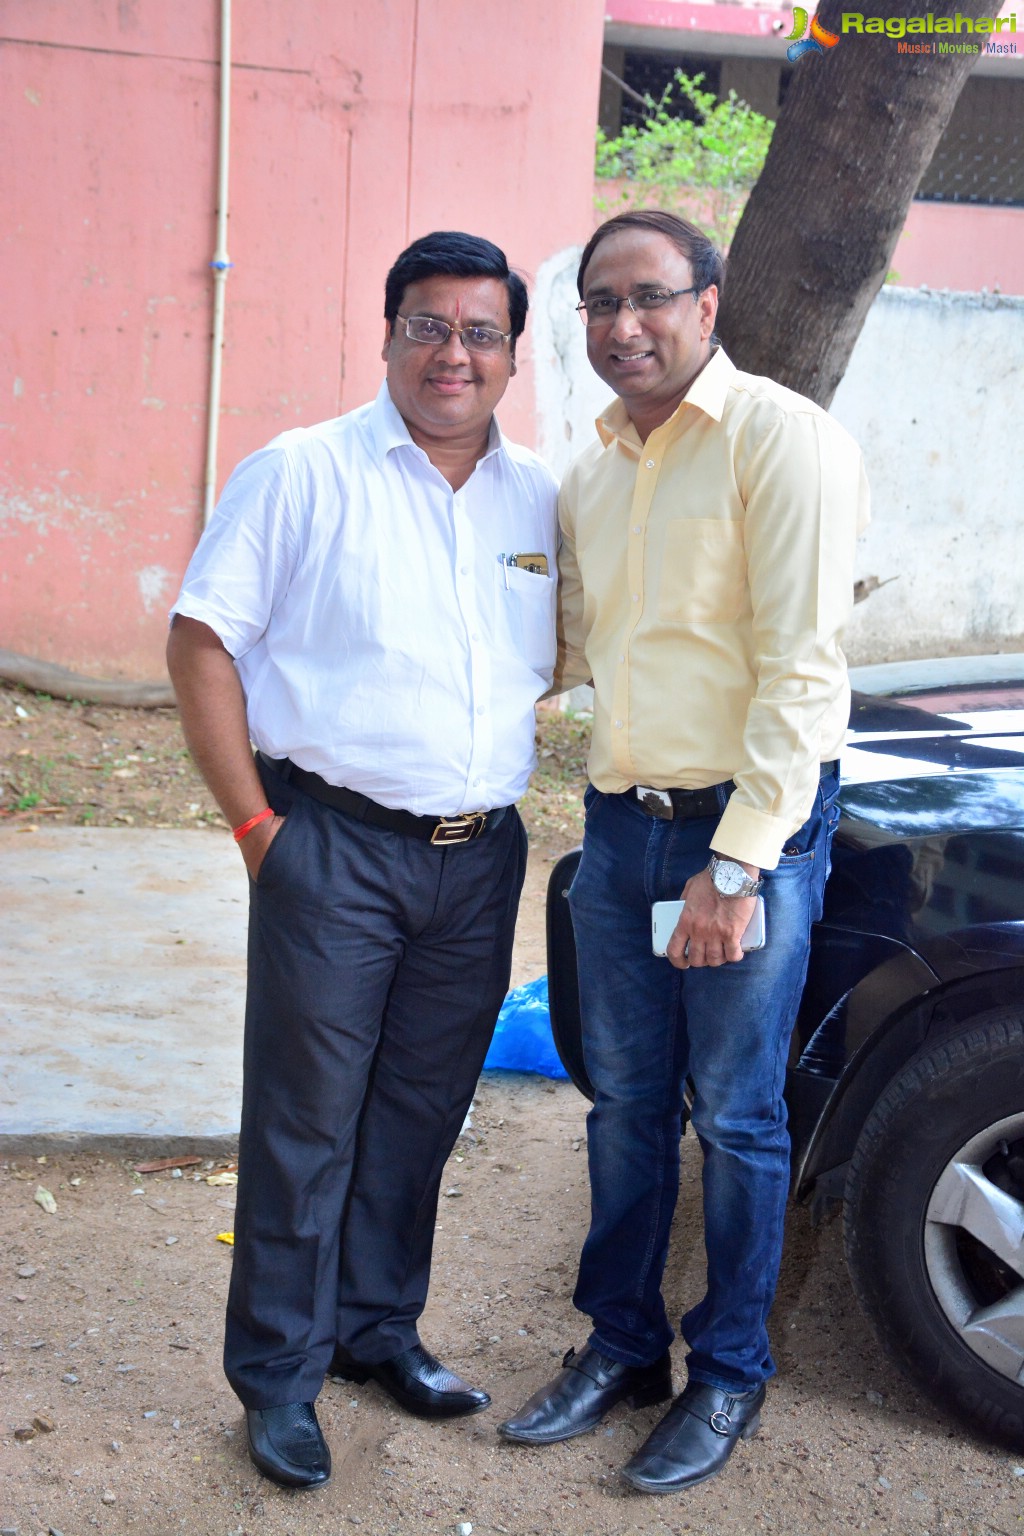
609 107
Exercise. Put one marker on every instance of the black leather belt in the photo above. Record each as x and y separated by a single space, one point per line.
684 804
680 804
442 831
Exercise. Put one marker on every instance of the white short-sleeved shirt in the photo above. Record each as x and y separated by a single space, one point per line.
380 638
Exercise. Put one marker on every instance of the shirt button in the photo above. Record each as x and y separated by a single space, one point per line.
618 725
476 634
480 709
622 658
650 464
636 597
464 569
637 529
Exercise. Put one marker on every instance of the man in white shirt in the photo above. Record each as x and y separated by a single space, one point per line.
372 607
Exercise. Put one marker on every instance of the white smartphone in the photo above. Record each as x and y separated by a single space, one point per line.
665 916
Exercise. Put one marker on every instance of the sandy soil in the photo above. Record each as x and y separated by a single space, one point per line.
114 1414
111 1341
64 763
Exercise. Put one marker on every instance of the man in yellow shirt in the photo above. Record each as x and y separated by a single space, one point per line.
706 575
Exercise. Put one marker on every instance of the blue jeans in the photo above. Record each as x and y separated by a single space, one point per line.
646 1027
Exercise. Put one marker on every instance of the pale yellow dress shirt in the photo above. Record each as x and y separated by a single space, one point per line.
705 579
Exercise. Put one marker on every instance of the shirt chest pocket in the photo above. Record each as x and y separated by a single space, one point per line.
525 604
703 577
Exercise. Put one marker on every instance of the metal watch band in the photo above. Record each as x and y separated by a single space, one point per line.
749 887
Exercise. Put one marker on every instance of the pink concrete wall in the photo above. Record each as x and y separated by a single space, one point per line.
355 128
963 246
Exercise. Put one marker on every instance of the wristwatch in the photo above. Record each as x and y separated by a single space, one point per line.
731 879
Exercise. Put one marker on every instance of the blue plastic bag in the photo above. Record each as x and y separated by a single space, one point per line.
522 1036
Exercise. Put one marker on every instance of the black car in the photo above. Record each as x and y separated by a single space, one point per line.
905 1085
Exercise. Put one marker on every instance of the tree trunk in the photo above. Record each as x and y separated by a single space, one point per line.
855 134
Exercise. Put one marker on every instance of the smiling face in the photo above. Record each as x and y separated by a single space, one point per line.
446 393
650 359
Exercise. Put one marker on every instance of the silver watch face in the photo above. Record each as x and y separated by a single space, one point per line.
729 878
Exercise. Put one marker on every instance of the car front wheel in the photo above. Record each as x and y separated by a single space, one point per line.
934 1222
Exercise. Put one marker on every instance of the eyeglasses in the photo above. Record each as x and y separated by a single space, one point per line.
603 309
434 333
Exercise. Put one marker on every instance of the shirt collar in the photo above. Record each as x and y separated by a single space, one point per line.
390 431
707 392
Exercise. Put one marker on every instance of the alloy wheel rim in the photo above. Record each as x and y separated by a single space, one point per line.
974 1244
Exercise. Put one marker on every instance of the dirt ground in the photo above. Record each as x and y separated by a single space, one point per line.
114 1414
71 764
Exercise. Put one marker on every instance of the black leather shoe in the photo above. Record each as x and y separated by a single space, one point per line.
577 1399
417 1381
695 1438
287 1445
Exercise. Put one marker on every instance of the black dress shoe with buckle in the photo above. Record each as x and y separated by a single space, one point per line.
417 1381
287 1445
695 1438
577 1399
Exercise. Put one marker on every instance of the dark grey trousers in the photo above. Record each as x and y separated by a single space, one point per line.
377 966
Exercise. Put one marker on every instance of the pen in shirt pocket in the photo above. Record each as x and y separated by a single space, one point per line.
534 561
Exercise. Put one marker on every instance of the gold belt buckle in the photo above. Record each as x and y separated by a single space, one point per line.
459 829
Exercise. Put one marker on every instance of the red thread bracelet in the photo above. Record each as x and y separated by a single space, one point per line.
247 826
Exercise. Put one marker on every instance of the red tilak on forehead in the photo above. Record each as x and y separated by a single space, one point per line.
458 309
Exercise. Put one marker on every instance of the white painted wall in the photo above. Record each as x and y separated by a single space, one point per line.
569 394
932 394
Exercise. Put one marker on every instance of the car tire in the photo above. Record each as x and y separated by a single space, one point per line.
934 1222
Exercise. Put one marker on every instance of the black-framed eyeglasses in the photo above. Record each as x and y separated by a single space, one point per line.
434 333
603 308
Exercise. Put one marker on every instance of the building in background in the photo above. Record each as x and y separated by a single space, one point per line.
355 128
965 228
929 392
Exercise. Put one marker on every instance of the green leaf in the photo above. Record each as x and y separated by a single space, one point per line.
703 170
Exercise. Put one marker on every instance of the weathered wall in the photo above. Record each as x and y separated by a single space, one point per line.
932 395
355 128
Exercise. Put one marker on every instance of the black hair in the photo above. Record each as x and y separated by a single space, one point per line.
449 253
706 261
